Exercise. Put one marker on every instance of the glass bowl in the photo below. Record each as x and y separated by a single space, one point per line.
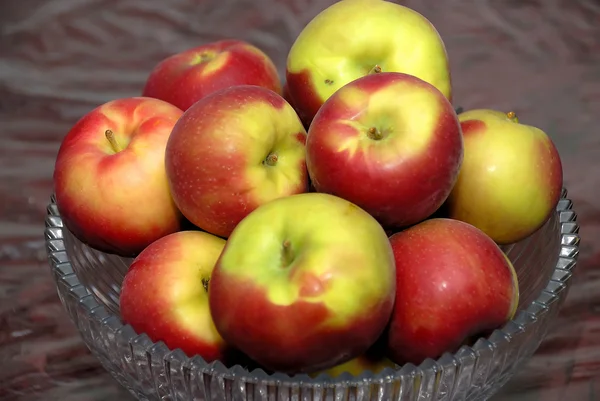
89 281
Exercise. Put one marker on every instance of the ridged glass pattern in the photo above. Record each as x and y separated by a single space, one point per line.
88 283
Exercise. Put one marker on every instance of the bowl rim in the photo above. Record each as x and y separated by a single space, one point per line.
551 296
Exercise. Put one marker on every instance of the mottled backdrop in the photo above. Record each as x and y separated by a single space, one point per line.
60 58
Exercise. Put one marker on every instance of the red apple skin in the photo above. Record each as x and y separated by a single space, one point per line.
186 77
295 318
305 94
286 94
216 156
118 202
404 177
453 282
163 294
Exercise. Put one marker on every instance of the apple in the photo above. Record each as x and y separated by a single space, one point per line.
511 178
358 365
390 143
304 283
184 78
286 95
233 151
165 293
354 38
453 282
373 360
109 178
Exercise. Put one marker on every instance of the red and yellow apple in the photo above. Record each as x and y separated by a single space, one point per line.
165 293
184 78
511 178
304 283
390 143
353 38
232 152
453 282
109 178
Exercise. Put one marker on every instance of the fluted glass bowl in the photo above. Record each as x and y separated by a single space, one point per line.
89 281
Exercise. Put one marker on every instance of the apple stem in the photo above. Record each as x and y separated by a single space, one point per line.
203 57
205 282
110 136
271 160
512 116
287 256
374 134
375 70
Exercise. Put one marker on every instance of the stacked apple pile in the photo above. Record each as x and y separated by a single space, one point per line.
348 220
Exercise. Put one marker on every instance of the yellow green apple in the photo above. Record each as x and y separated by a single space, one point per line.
511 177
304 283
354 38
232 151
390 143
109 178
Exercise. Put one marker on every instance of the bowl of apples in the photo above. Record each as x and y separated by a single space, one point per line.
347 234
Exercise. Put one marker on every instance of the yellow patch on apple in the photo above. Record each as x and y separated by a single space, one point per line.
288 152
385 111
517 294
215 64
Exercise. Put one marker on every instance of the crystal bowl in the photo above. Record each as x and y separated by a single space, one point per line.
88 283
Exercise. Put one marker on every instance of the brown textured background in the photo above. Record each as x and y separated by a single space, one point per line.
60 58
